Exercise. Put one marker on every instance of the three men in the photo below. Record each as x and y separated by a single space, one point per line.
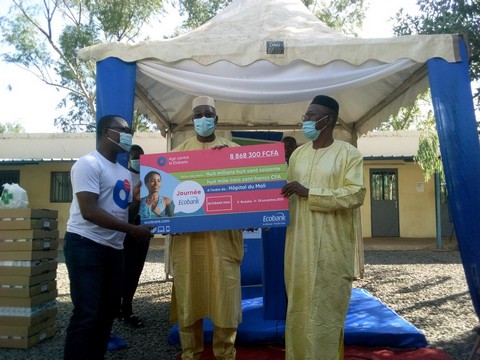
325 189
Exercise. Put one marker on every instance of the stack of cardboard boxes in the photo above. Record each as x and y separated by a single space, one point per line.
28 268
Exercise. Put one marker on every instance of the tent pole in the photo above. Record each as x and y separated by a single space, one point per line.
438 213
460 148
113 73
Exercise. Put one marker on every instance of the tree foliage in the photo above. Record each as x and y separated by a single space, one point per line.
342 15
418 116
199 12
428 155
46 35
446 17
11 128
441 17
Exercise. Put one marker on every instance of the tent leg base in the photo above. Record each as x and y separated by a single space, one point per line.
476 347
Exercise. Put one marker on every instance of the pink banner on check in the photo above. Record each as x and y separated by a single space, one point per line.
245 156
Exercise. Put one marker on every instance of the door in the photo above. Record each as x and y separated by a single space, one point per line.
384 200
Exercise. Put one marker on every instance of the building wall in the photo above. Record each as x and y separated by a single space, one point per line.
416 207
35 179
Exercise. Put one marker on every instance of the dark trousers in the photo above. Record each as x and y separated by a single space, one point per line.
95 273
135 253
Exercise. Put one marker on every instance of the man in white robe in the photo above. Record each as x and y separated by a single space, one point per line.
325 188
206 265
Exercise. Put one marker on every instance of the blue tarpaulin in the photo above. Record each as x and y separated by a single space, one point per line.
369 323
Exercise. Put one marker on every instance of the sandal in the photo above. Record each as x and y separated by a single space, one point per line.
132 320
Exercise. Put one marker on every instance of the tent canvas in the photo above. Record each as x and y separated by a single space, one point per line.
264 60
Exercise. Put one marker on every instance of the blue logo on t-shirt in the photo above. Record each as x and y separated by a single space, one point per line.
121 193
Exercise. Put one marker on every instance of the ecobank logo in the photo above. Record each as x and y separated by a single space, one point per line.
278 217
188 197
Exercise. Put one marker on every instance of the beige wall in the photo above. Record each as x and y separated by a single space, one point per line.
416 208
35 179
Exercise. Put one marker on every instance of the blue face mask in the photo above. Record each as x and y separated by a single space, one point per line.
309 130
204 126
135 164
125 140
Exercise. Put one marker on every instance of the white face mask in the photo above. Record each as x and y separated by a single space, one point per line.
125 140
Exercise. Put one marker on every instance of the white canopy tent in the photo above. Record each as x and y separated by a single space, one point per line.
264 60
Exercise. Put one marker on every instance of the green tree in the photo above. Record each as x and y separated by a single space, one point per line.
46 35
418 116
441 17
200 11
11 128
428 154
447 17
342 15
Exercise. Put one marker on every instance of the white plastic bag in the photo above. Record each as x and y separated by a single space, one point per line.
13 197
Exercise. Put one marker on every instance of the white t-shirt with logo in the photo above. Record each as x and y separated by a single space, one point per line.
113 185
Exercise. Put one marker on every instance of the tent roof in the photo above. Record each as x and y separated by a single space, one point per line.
264 60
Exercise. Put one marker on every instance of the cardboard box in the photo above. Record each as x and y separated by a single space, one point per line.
30 301
25 280
27 342
27 268
26 291
26 331
24 213
28 224
28 245
28 234
28 255
36 315
7 236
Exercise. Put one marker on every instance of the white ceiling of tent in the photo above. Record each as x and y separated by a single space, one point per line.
257 86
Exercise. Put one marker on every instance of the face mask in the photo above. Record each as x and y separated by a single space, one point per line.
135 165
204 126
125 140
309 130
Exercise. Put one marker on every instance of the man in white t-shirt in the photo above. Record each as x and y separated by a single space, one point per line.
93 245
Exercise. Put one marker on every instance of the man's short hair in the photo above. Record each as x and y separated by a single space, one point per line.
104 123
290 140
136 149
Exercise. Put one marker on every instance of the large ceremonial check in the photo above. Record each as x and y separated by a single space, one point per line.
214 189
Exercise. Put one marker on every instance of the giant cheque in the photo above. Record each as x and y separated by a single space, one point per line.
214 189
